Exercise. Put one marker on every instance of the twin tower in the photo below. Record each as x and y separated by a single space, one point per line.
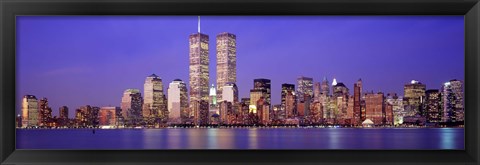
226 51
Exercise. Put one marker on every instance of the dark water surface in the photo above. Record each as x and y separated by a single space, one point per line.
243 138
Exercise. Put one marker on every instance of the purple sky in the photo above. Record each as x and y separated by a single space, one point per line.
80 60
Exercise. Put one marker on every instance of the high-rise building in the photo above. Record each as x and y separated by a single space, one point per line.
256 94
177 100
30 110
388 117
325 88
397 107
132 105
230 92
226 61
45 112
63 112
153 101
89 116
213 107
225 109
263 111
286 90
357 110
317 90
453 108
340 90
374 107
414 98
433 106
199 62
304 88
108 116
264 85
290 105
200 108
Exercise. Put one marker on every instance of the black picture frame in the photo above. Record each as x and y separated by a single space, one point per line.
11 8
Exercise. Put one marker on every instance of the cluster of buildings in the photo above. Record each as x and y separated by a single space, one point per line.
304 103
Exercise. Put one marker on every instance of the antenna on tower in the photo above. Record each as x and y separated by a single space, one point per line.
198 24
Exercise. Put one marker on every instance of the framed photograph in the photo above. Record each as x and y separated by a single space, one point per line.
157 82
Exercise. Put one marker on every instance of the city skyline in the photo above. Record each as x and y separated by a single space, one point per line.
245 81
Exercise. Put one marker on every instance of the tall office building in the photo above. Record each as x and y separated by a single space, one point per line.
374 107
304 88
177 100
317 90
287 89
397 107
45 112
264 85
30 110
200 108
357 110
63 112
325 88
153 101
256 94
226 61
198 67
132 104
290 105
453 108
414 98
108 116
213 107
339 89
230 92
433 106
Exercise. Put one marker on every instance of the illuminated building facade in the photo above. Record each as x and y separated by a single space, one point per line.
177 100
304 88
317 90
397 107
263 85
201 116
339 90
153 101
374 107
226 61
388 117
30 110
198 68
63 112
256 94
225 108
453 109
414 98
108 116
132 105
433 106
263 111
290 105
230 92
287 89
357 109
45 112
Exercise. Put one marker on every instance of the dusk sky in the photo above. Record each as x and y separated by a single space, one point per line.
80 60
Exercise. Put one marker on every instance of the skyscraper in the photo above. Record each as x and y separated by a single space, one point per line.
286 89
226 61
213 107
63 112
177 100
230 92
453 108
357 110
317 90
433 106
132 105
45 112
108 116
374 107
201 112
339 89
153 102
264 85
256 94
30 112
325 88
198 67
397 107
304 88
414 97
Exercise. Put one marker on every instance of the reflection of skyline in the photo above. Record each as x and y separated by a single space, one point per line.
151 52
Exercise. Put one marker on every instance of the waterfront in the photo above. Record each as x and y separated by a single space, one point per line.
243 138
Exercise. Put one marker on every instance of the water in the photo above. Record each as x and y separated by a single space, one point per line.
244 138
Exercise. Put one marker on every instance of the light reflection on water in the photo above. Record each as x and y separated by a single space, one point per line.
244 138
